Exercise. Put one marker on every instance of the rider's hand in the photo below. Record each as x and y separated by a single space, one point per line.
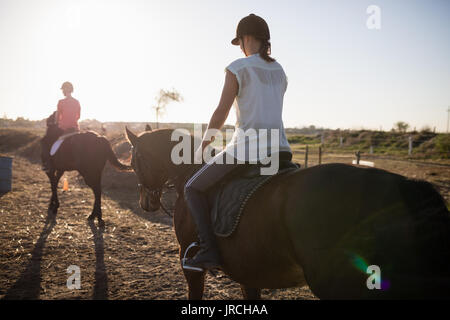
198 156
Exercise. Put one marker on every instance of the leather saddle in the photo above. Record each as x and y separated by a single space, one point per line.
228 198
59 142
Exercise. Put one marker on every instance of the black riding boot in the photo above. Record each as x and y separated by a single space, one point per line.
208 256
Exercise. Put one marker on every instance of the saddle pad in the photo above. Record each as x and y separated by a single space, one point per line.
228 199
60 140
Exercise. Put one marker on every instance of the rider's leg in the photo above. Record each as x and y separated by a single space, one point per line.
195 195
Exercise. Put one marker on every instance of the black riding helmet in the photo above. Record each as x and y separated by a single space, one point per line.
252 25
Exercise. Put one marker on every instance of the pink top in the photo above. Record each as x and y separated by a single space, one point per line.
68 113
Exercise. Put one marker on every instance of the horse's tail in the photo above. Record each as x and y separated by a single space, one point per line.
111 156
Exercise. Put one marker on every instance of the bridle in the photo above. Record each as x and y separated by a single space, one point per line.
154 192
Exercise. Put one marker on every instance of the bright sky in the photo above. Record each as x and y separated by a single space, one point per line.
118 54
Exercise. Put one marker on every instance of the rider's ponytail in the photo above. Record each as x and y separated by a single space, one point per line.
265 51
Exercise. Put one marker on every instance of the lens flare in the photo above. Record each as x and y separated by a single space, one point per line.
359 263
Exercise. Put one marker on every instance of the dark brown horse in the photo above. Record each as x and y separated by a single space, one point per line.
85 152
325 226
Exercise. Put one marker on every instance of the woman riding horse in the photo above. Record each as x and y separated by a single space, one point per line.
66 118
86 152
258 84
326 226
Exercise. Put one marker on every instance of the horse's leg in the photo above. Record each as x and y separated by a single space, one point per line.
54 179
196 284
98 204
55 191
186 234
95 183
51 177
250 293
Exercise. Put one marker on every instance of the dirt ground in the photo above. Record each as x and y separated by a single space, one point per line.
135 257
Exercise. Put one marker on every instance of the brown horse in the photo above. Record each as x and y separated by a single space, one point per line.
85 152
323 226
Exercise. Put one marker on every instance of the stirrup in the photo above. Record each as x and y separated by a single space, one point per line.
183 261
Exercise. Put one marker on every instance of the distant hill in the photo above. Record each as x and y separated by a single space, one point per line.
93 124
425 143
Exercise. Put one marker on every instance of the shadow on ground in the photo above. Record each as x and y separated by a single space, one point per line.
28 286
101 276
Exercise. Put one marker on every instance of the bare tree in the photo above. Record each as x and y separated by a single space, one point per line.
163 99
401 126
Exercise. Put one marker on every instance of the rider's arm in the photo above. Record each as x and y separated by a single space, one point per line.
229 92
78 111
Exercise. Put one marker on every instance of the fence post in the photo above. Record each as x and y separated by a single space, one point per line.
340 144
371 150
306 157
358 156
320 154
409 145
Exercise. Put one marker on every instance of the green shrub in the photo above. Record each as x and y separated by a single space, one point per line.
304 139
442 143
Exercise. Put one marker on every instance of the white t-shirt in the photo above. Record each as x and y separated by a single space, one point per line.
258 105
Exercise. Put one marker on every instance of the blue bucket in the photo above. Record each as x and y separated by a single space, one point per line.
5 174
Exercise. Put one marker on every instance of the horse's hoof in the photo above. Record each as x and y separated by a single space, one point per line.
101 223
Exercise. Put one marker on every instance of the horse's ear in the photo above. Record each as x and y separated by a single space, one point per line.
131 137
148 128
51 120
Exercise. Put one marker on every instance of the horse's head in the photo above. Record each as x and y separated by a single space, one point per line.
52 126
149 162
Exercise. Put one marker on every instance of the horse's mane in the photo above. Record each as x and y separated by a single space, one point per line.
51 120
159 140
157 145
156 142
